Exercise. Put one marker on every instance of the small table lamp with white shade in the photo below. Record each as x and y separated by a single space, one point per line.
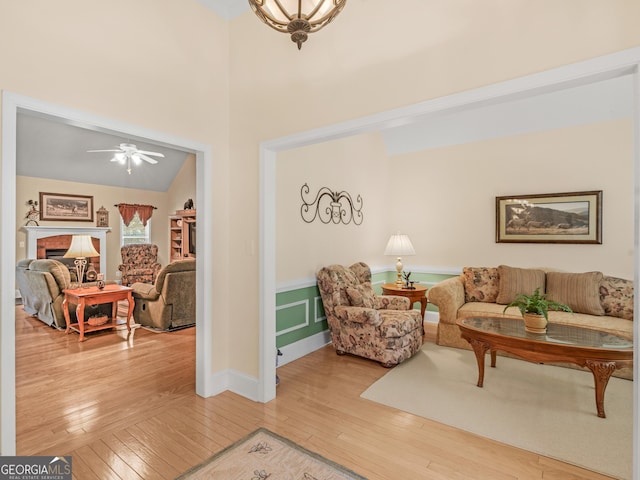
399 245
81 248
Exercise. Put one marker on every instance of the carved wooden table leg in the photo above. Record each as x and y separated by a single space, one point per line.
480 348
602 372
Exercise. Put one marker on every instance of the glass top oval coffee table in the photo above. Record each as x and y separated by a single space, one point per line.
599 351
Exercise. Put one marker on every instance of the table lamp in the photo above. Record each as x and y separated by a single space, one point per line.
399 245
81 248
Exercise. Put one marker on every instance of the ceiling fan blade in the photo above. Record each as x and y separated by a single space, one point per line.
93 151
152 161
155 154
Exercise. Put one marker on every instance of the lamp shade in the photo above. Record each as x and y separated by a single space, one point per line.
81 246
399 245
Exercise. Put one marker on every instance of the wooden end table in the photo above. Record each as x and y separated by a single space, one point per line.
111 293
417 294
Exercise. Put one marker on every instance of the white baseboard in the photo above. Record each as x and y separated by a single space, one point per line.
303 347
431 317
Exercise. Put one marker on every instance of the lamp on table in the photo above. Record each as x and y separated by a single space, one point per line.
399 245
81 248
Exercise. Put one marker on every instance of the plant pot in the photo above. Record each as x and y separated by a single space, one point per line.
535 323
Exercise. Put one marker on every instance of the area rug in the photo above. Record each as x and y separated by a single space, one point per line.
544 409
265 455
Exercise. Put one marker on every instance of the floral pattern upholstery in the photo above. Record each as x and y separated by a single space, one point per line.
481 284
139 263
616 297
389 333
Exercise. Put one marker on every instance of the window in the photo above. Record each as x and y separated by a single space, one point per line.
135 232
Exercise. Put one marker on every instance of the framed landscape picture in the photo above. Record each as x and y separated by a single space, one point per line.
574 217
60 206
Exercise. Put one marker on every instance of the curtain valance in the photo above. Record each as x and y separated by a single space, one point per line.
128 211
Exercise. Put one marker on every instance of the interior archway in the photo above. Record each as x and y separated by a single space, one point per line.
11 104
583 73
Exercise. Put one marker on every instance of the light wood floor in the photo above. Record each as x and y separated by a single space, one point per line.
127 410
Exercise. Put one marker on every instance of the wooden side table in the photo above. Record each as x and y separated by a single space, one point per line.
92 296
417 294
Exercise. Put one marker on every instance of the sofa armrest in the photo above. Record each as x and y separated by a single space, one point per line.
448 296
145 291
392 302
358 315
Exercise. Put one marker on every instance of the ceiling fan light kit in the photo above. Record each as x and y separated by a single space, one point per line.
298 18
128 152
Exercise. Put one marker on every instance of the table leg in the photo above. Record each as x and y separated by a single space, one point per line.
130 311
493 358
602 372
65 311
480 348
80 318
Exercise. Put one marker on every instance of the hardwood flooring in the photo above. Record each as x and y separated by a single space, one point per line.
128 410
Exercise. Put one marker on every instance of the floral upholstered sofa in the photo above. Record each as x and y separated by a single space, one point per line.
379 327
598 301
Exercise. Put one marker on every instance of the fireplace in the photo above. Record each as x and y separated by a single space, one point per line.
47 242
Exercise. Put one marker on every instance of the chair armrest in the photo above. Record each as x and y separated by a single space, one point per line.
448 296
145 291
358 315
392 302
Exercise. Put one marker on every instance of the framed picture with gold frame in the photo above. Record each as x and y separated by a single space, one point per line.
574 217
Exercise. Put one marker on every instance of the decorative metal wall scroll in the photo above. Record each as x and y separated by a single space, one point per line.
329 206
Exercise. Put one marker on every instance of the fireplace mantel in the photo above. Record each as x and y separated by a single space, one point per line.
35 233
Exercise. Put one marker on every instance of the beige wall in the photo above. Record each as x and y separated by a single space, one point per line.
160 65
183 187
29 188
445 200
459 185
356 165
180 69
379 55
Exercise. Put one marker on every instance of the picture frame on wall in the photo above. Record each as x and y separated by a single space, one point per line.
64 207
574 217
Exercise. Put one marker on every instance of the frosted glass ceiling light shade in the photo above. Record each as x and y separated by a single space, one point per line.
297 17
81 248
399 245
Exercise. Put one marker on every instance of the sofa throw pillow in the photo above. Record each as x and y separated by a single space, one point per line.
361 295
616 297
514 281
580 291
481 284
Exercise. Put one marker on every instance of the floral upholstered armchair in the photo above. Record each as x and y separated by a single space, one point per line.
139 263
379 327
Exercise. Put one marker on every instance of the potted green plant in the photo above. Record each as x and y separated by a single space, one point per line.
535 310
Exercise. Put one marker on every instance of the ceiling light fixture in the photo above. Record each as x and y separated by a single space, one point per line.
126 152
297 17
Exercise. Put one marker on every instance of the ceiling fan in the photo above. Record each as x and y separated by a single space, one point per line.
128 152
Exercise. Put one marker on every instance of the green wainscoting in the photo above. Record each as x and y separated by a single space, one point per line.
300 315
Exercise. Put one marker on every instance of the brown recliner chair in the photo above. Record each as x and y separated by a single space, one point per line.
139 263
170 303
42 283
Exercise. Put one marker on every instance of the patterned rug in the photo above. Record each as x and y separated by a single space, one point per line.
265 455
